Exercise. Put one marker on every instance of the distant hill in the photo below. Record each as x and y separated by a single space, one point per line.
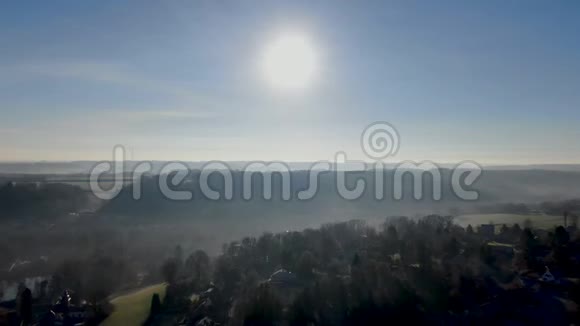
495 187
84 167
30 200
33 196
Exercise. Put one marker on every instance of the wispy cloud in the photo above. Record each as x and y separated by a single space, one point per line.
102 72
168 114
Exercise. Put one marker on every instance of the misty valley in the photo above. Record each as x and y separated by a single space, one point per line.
220 260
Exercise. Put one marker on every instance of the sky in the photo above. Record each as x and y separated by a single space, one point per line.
497 82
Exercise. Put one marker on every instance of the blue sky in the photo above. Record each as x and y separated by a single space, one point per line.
493 81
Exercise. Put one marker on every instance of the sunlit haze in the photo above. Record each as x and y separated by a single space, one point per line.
290 61
495 81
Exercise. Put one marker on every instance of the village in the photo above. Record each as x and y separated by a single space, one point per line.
444 271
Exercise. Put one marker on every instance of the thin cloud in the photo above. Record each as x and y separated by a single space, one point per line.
115 74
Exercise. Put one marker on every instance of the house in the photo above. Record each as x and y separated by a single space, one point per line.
487 230
65 313
547 277
285 285
504 250
283 278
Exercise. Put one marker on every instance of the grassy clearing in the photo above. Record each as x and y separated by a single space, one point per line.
133 308
499 244
538 221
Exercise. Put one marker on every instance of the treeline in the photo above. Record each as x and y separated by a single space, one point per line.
494 187
29 199
406 271
417 271
356 274
33 200
569 207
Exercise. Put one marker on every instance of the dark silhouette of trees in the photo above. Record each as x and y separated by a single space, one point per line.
392 240
197 266
155 305
515 231
504 230
169 270
302 310
452 247
46 201
529 245
25 307
561 237
92 279
227 274
406 271
560 248
469 230
305 266
262 308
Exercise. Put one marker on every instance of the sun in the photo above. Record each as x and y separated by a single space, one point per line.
289 62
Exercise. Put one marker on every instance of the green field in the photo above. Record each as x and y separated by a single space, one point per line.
133 308
538 221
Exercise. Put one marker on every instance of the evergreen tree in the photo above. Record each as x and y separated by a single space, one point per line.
25 307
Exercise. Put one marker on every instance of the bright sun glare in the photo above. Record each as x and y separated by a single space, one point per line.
289 62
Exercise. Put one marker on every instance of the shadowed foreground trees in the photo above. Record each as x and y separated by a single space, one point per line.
408 271
25 307
92 279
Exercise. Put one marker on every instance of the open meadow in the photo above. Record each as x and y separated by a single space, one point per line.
540 221
133 308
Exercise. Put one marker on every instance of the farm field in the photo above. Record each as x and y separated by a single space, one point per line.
133 308
538 221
